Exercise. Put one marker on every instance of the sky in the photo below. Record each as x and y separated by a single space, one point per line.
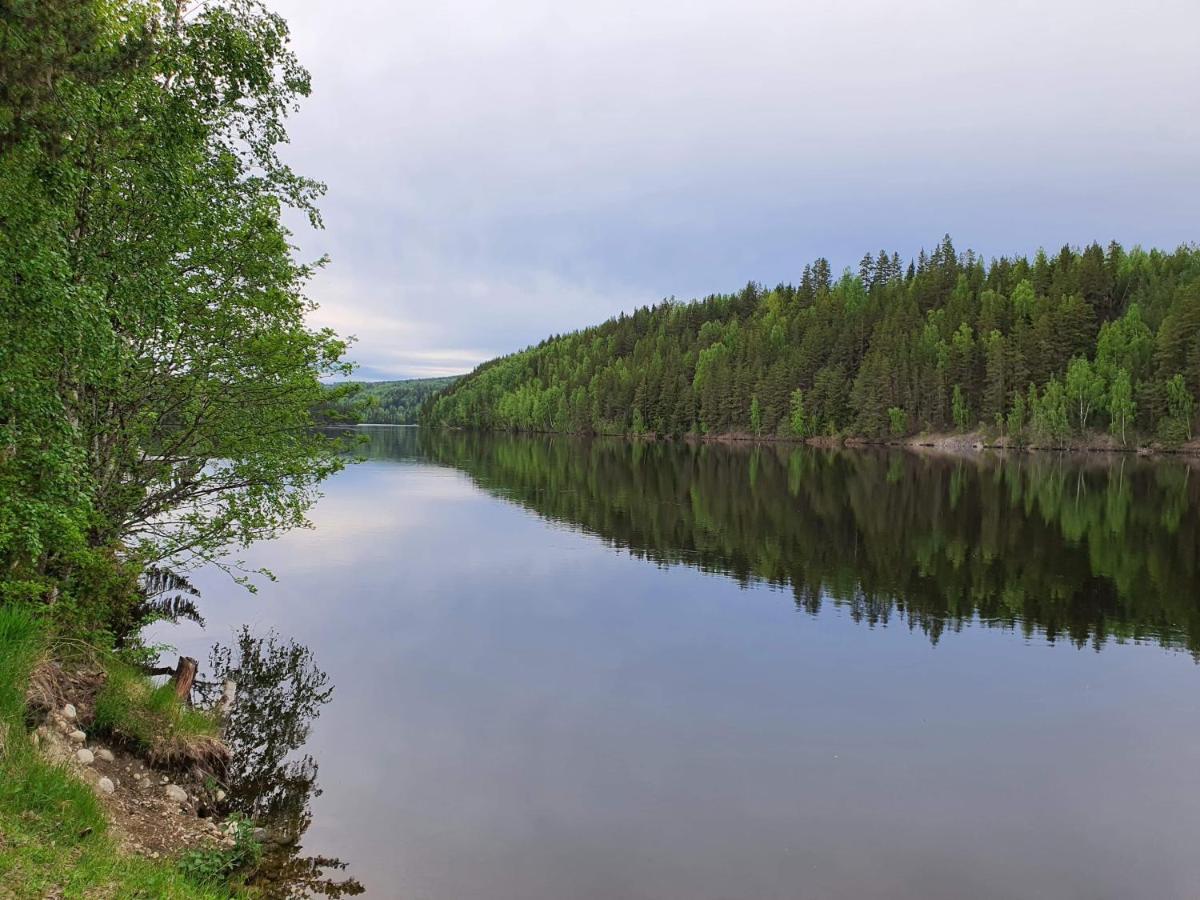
500 172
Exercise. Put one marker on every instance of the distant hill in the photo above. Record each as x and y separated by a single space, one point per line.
1040 348
391 402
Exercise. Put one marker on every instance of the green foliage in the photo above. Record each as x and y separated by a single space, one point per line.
218 867
639 424
860 346
1085 390
157 376
55 840
960 410
1121 405
1049 413
1017 414
21 643
756 422
797 418
897 421
1181 411
384 402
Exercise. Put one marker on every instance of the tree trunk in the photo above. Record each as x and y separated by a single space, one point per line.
185 674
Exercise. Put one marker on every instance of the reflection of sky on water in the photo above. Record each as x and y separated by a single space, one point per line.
522 712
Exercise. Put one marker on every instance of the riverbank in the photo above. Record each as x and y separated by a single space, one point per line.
88 810
955 442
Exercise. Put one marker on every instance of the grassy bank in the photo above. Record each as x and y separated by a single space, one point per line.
54 836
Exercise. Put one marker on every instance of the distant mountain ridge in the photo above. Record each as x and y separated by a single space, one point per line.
390 402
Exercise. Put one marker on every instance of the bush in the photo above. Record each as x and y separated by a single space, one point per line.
219 866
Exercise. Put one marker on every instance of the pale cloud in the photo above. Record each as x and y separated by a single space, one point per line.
502 171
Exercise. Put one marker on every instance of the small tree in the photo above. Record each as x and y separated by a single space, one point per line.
1121 407
898 421
1016 417
1050 413
755 416
959 409
1181 408
1085 388
798 419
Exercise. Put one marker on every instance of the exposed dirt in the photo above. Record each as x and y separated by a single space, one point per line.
152 812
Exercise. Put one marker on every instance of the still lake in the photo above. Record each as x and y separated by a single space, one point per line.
572 668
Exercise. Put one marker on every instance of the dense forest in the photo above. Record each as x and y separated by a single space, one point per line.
1040 350
387 402
1086 550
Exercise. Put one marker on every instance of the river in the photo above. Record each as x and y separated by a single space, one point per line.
570 668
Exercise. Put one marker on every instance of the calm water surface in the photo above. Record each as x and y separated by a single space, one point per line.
599 669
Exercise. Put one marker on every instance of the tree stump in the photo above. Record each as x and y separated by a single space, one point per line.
185 674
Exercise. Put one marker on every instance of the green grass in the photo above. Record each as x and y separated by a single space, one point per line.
53 834
133 708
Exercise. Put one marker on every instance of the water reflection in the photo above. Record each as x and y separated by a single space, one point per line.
280 693
1086 549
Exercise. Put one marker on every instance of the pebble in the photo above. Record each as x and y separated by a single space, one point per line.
84 757
106 786
77 736
104 754
220 795
176 793
69 713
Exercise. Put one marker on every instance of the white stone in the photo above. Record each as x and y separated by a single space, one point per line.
84 757
176 793
220 795
106 786
69 713
104 754
77 736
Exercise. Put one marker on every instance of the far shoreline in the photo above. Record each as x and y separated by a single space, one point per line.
965 443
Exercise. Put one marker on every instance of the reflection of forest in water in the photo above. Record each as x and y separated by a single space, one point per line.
1086 548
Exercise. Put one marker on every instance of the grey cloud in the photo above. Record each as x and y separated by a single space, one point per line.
499 172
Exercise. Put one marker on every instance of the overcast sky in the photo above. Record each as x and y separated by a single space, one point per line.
502 171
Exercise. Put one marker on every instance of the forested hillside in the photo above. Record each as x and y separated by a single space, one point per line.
1038 349
390 402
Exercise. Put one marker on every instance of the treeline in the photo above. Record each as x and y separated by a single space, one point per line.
385 402
1086 551
1038 350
